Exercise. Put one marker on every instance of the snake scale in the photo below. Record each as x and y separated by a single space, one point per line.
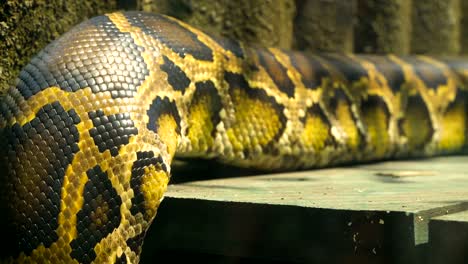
95 119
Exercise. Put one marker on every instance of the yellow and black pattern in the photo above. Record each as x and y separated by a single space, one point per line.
94 121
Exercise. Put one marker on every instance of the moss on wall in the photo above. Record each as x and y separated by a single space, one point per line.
263 22
464 27
27 26
377 26
203 14
325 25
383 26
436 27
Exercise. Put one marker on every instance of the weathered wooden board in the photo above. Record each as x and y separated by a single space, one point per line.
376 213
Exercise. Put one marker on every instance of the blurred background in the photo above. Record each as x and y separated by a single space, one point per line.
364 26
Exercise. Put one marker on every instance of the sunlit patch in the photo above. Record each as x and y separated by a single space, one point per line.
317 129
376 117
154 184
340 105
259 120
39 153
172 34
416 124
453 125
168 133
164 120
98 216
277 72
149 181
110 61
203 116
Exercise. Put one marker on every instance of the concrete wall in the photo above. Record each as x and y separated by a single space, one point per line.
27 26
363 26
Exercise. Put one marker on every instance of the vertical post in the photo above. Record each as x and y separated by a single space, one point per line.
464 27
436 27
383 26
325 25
267 23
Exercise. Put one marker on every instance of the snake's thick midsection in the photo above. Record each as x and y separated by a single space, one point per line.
277 109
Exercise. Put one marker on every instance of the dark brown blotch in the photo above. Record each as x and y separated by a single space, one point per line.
430 74
144 160
121 260
38 155
392 72
172 34
231 45
111 132
135 243
277 72
159 107
204 89
350 69
98 217
175 75
311 70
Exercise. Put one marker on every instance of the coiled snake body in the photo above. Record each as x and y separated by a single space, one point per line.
95 119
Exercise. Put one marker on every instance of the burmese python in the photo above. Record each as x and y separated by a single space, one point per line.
95 119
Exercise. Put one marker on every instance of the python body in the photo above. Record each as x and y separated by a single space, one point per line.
91 127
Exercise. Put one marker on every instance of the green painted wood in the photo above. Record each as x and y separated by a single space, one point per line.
461 217
448 238
371 213
402 186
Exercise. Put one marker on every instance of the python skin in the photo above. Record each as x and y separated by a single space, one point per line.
95 119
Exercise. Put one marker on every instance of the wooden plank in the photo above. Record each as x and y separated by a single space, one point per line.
283 233
461 217
369 213
404 186
448 238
